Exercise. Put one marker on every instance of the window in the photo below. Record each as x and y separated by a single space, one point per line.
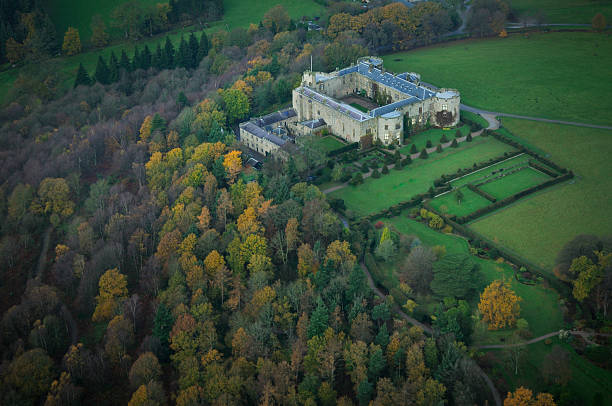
397 126
386 136
444 107
386 127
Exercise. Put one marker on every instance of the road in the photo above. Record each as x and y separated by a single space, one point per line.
584 334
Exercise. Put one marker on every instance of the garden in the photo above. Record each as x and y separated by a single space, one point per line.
328 143
432 137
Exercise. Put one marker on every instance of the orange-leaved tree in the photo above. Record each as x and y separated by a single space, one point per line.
499 305
524 397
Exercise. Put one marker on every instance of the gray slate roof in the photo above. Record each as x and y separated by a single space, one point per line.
261 133
395 82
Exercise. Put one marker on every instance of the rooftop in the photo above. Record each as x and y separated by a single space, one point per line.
263 127
336 105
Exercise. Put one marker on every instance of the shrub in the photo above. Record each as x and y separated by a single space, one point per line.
385 170
406 161
375 174
379 224
457 133
439 148
364 168
469 137
428 145
424 154
454 144
443 140
357 179
413 149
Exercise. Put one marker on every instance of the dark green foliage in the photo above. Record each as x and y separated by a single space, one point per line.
136 59
357 179
364 392
102 74
162 326
406 161
454 317
183 56
181 99
428 144
202 48
444 140
364 168
376 364
113 68
454 144
382 338
458 134
168 61
439 148
82 77
318 320
157 57
385 170
158 123
413 149
455 276
145 58
193 51
469 137
381 312
124 62
424 154
375 173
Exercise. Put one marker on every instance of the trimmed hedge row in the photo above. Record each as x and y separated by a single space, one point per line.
474 126
461 172
343 149
481 193
540 168
511 199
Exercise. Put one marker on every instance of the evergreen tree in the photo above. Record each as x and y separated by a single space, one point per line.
203 48
469 137
184 56
145 58
424 154
413 149
193 49
454 143
181 100
113 68
158 123
318 320
168 55
102 74
158 57
136 59
82 77
124 62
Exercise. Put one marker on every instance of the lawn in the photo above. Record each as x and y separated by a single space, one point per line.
328 143
514 75
564 11
470 202
481 174
433 135
237 14
398 186
474 117
359 107
538 226
514 183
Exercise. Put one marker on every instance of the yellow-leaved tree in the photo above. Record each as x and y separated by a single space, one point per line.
524 397
499 305
54 199
113 291
232 164
72 42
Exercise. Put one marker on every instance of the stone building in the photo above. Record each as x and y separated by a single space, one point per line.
323 98
267 134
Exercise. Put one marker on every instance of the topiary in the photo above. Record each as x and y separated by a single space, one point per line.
443 140
439 148
385 170
424 154
413 149
454 143
428 145
375 174
469 138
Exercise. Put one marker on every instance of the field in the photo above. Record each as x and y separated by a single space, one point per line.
418 177
539 307
433 135
538 226
514 75
328 143
237 13
470 202
474 117
564 11
481 174
514 183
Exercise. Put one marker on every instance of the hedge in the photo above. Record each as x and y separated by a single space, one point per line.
396 209
343 149
540 168
511 199
481 193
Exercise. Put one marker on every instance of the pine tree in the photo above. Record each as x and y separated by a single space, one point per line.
82 77
113 68
193 49
158 58
413 149
203 48
181 99
146 58
124 62
183 57
318 320
158 123
168 55
454 143
102 74
469 137
136 59
424 154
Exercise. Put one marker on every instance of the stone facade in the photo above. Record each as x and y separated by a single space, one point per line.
268 134
317 98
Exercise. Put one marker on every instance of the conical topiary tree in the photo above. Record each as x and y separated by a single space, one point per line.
82 77
424 154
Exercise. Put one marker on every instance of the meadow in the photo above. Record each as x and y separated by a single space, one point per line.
237 14
514 75
564 11
538 226
418 177
539 307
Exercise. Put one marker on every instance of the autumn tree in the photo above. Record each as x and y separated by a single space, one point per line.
144 370
499 305
237 105
339 252
232 163
15 51
113 291
119 339
99 36
599 22
151 394
30 375
248 224
54 199
72 42
276 19
524 397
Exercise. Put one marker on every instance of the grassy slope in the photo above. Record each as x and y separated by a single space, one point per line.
564 11
237 13
538 226
399 186
555 75
539 307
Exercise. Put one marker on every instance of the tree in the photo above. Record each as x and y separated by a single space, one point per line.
386 249
203 47
144 370
232 163
82 77
247 223
237 105
15 51
119 339
99 36
499 305
455 275
459 196
339 253
30 374
168 60
72 42
102 74
424 154
556 367
276 19
113 291
417 269
454 144
524 397
54 199
599 22
318 320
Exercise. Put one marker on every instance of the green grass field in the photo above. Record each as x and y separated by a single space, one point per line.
564 11
470 202
538 226
433 135
481 174
398 186
515 74
328 143
514 183
237 14
475 117
359 107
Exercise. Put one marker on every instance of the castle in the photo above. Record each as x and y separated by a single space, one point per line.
359 101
